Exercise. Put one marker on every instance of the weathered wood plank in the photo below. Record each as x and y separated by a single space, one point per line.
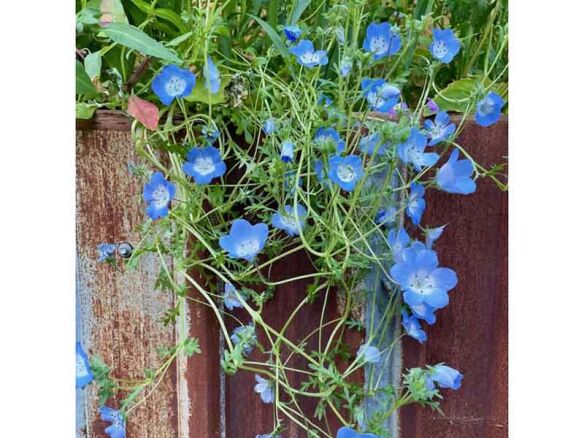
471 332
118 311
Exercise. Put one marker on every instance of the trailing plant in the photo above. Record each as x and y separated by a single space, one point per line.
271 129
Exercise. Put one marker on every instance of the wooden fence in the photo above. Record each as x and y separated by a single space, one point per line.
118 312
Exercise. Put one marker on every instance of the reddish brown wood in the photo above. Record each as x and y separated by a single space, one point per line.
471 333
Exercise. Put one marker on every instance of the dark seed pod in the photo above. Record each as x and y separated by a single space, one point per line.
125 250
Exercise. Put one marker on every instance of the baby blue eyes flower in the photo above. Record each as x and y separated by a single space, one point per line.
347 432
292 33
412 151
380 95
412 327
398 241
432 235
424 312
346 171
210 134
432 106
244 240
489 109
232 298
212 76
83 374
158 192
369 354
386 215
246 336
269 126
307 56
371 143
204 164
105 251
173 82
264 389
381 40
329 135
439 129
446 377
345 67
287 221
444 45
416 203
455 176
422 280
287 153
117 428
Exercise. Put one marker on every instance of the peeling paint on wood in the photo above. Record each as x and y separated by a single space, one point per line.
118 312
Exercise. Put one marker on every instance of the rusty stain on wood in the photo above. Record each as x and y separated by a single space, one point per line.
118 312
471 332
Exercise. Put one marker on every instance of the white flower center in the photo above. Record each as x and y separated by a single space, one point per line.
375 99
204 165
487 106
413 154
175 86
80 368
379 45
161 196
439 49
345 173
437 130
421 283
248 247
309 57
289 222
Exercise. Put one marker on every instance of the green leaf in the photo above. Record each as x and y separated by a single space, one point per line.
456 96
84 111
301 6
278 43
92 64
133 38
83 84
112 11
201 94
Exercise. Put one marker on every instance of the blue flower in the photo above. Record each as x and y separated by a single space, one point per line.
324 100
413 328
432 235
210 133
325 136
246 336
455 176
292 33
369 354
371 143
489 109
424 311
83 374
346 171
386 215
158 192
244 240
347 432
287 152
416 203
446 377
173 82
432 106
345 67
105 251
320 171
287 221
412 151
444 45
204 164
422 280
232 298
269 126
381 40
380 95
307 56
117 428
398 242
264 389
212 76
439 129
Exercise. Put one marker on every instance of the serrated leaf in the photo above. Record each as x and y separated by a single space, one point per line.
301 6
133 38
112 11
83 84
84 111
278 43
145 112
92 63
